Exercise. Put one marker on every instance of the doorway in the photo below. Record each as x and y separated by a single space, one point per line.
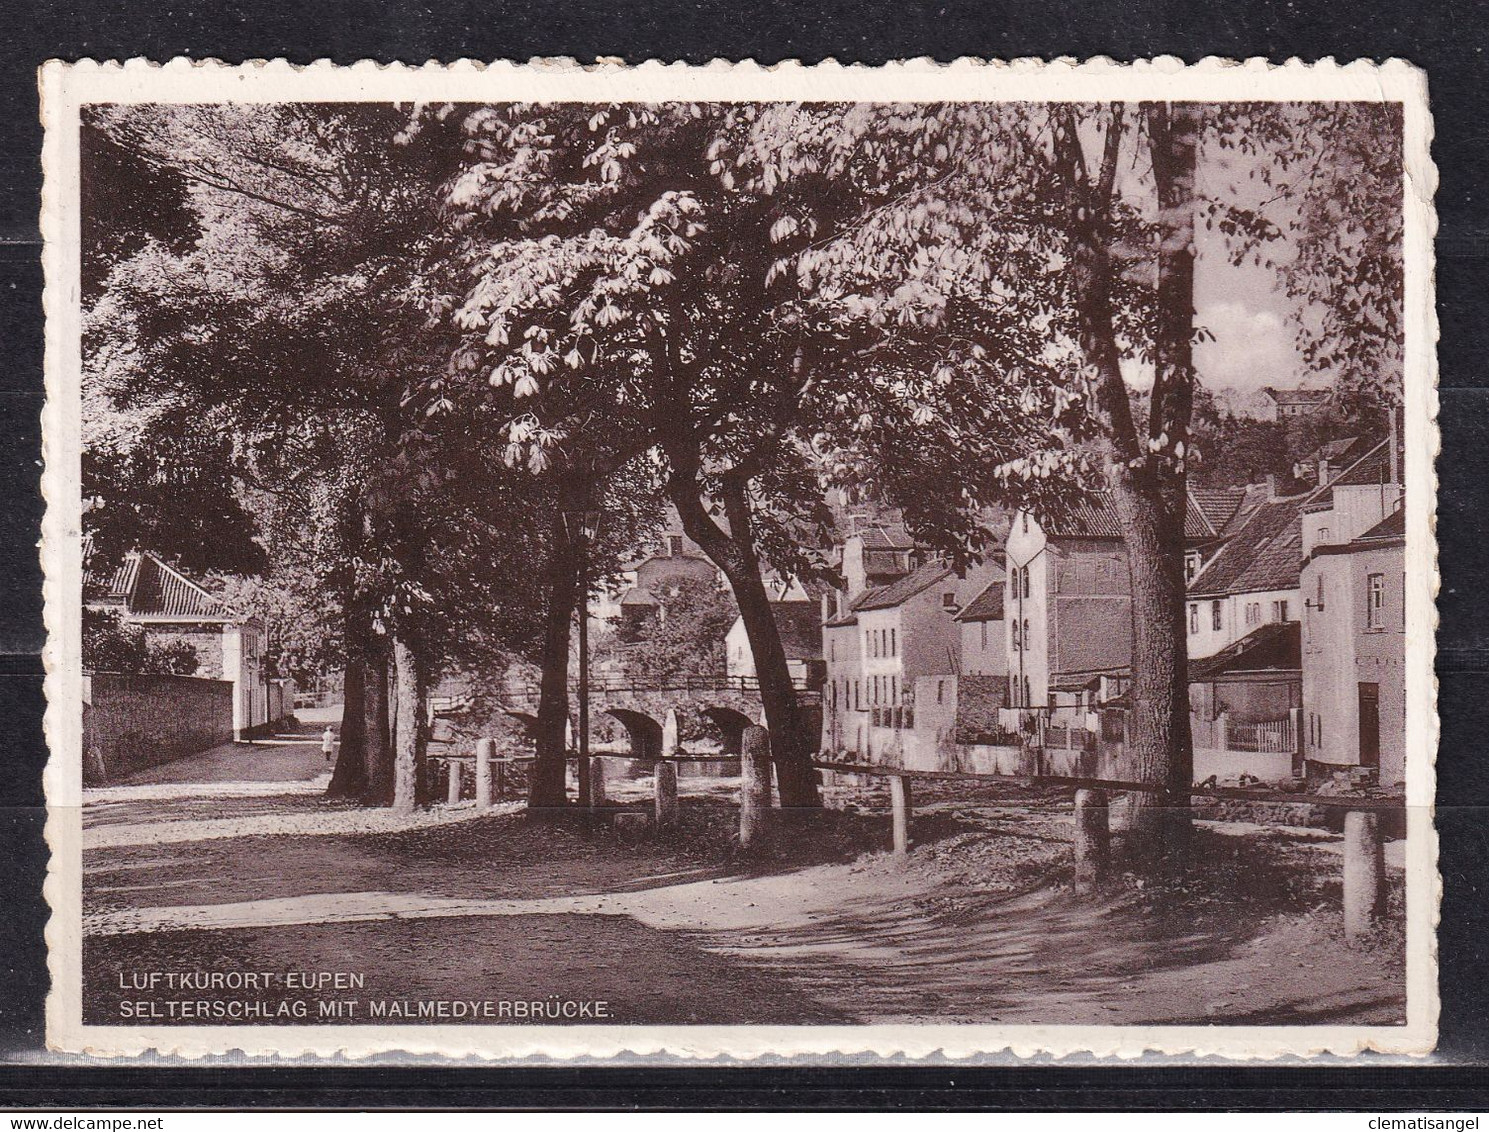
1369 724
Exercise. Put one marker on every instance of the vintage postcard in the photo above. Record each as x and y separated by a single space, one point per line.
930 561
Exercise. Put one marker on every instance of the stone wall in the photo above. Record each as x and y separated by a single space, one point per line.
134 722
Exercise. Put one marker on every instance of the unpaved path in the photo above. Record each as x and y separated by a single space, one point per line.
975 926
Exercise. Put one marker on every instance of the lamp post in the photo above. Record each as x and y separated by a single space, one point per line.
582 523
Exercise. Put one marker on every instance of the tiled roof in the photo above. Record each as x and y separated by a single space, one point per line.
897 593
1095 516
1392 526
1297 396
988 605
1274 647
800 626
1217 505
1264 554
149 588
885 538
1374 467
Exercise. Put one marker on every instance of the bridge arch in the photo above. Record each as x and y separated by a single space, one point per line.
644 732
528 720
731 723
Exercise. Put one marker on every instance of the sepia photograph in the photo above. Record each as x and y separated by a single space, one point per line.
713 562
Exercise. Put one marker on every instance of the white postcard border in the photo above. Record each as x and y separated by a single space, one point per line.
67 87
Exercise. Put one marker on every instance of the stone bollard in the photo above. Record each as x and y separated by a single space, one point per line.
671 741
1364 875
666 794
596 782
754 786
1091 838
899 805
485 750
453 793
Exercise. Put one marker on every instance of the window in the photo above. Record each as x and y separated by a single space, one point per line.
1028 699
940 689
1026 581
1216 616
1279 611
894 648
1018 640
1191 565
1193 618
832 650
948 601
1318 588
984 636
857 694
1028 640
1375 601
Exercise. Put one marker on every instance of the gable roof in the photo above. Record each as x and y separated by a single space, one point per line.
901 591
148 588
988 605
1217 504
1095 516
1274 647
1266 553
1297 396
800 626
1370 469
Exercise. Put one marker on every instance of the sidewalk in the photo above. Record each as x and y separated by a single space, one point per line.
291 757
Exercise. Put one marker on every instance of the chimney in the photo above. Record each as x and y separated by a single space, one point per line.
1325 472
1271 486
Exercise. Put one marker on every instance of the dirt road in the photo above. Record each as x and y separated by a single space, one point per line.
976 926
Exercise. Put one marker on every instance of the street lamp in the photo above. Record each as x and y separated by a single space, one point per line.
582 523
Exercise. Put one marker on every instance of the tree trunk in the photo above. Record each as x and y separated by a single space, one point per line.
1159 737
1145 474
408 768
1153 503
349 779
734 554
379 739
547 783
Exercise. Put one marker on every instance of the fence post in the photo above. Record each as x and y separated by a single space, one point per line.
452 794
900 802
1091 838
666 794
484 750
754 785
1364 875
596 781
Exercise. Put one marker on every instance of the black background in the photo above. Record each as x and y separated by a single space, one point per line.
1447 39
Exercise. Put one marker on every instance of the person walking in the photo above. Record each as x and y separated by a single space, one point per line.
328 742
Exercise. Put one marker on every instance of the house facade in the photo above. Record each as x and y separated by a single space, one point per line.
169 607
1287 404
880 651
799 621
1354 653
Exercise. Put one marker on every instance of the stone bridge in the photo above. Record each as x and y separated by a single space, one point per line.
626 716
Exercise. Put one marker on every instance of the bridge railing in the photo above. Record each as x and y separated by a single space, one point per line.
611 685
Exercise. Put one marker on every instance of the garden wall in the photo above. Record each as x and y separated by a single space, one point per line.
134 722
